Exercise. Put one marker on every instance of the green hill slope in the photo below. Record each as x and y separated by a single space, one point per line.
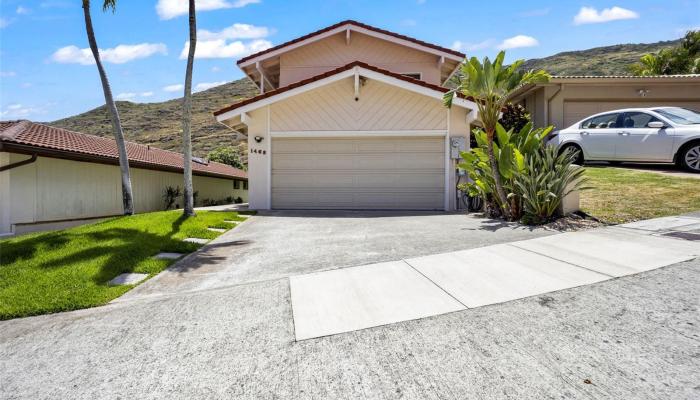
159 124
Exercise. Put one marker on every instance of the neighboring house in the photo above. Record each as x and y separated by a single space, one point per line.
53 178
351 117
566 100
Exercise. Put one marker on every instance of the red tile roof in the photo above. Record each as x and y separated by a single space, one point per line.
33 137
326 75
358 24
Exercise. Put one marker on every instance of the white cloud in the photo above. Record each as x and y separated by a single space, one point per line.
236 31
221 49
207 85
168 9
174 88
420 1
589 15
215 69
409 22
132 95
518 42
4 22
26 85
125 96
22 10
7 74
17 111
121 54
460 46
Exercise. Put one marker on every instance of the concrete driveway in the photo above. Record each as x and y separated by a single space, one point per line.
278 244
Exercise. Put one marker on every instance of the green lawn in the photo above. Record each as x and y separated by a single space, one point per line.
622 195
67 270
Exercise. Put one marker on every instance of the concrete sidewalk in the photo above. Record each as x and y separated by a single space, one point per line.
349 299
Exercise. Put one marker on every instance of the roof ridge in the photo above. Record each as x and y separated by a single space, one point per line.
358 24
15 129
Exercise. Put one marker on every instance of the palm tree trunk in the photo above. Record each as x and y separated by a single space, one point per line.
187 116
127 196
500 192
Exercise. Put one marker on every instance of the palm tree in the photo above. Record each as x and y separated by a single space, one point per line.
491 85
187 116
127 195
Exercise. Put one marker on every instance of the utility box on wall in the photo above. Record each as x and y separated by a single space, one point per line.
457 145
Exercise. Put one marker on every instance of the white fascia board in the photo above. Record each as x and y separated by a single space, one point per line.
342 75
322 134
350 27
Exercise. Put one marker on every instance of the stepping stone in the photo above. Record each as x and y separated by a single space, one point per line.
128 278
216 230
196 240
168 256
231 222
348 299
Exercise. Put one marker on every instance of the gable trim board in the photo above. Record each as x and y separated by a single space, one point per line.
352 154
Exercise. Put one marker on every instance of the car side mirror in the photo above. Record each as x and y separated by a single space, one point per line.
656 124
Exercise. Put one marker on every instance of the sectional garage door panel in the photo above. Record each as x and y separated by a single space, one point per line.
361 173
575 111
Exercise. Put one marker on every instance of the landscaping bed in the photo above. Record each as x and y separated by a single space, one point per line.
69 269
620 195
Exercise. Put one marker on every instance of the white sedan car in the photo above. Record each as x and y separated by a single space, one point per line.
655 134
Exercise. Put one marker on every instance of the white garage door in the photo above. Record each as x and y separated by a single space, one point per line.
575 111
358 173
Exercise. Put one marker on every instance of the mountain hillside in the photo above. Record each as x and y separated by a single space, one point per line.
158 124
608 60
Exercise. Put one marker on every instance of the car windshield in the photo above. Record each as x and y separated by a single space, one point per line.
680 115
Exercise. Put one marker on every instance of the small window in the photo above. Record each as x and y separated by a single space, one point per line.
414 75
637 120
236 184
601 122
245 185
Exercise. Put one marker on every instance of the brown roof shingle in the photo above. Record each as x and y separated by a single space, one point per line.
29 135
358 24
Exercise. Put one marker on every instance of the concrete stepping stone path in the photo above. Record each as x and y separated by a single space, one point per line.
168 256
129 278
196 240
219 230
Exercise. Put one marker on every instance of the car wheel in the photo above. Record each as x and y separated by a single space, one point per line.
689 157
576 151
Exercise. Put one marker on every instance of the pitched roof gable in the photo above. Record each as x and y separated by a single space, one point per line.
328 74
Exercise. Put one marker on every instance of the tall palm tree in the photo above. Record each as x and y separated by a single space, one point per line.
491 85
187 116
127 195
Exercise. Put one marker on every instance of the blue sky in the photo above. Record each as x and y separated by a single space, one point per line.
46 73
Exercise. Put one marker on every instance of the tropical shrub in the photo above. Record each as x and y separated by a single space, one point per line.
229 155
170 195
514 116
547 177
510 149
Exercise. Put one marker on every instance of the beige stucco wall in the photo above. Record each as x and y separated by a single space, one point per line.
333 52
53 189
600 97
381 107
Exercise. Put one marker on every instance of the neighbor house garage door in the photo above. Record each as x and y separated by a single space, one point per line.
358 173
575 111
